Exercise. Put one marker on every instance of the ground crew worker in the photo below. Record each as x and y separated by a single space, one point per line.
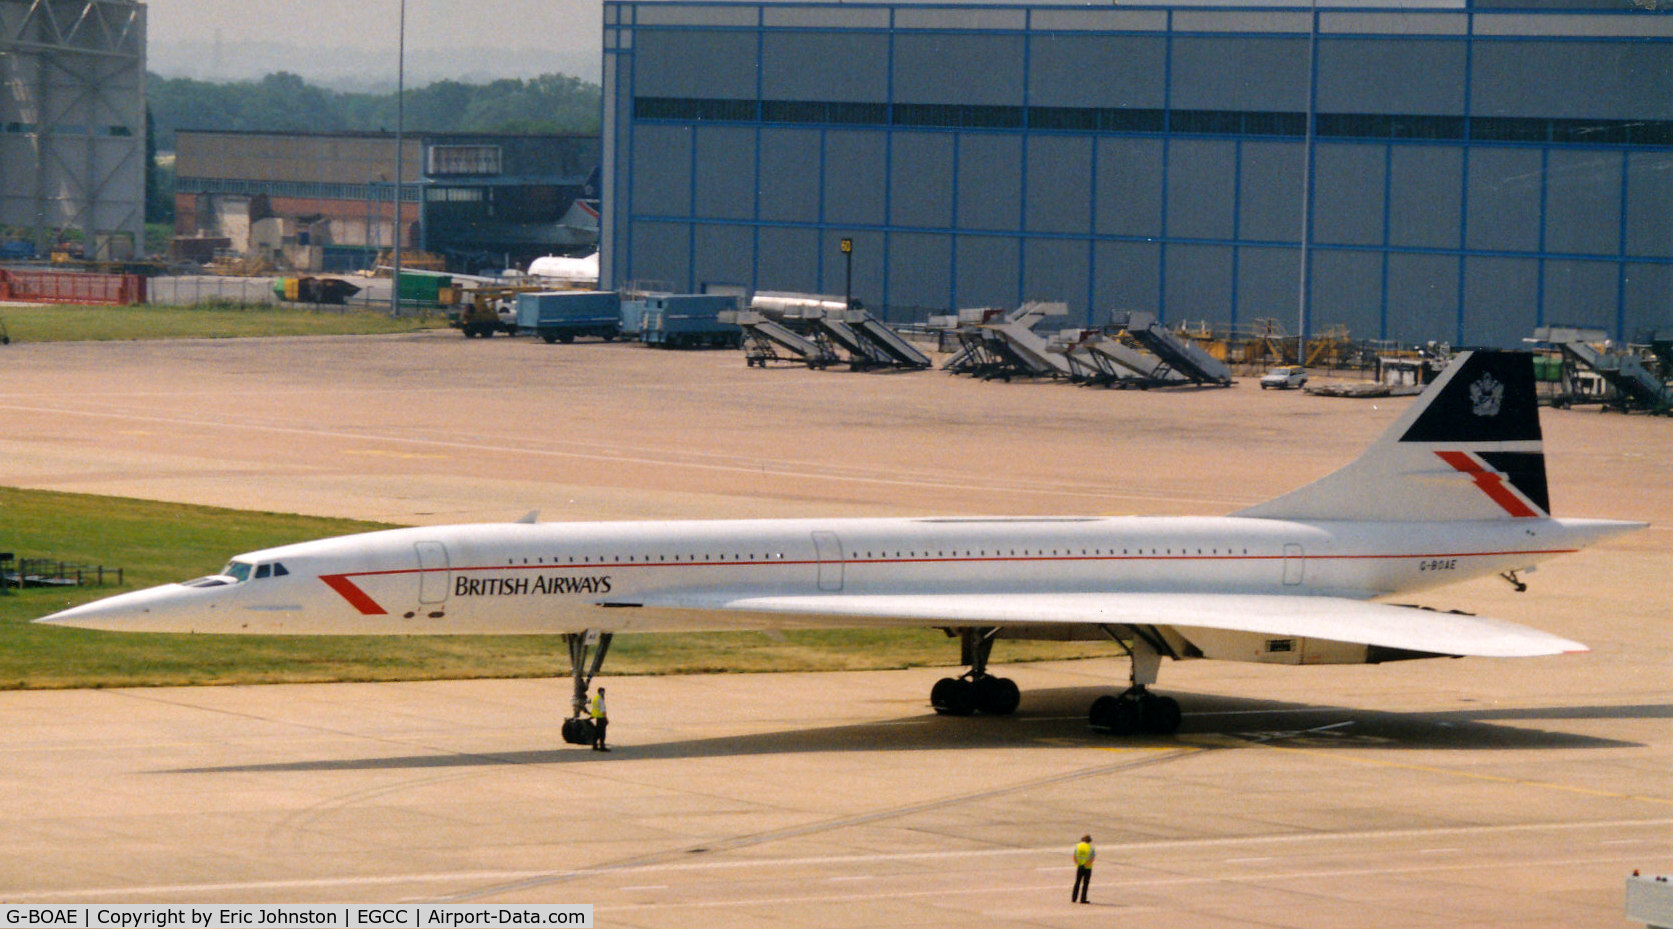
601 719
1084 853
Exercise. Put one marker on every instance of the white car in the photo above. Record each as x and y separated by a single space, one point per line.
1284 378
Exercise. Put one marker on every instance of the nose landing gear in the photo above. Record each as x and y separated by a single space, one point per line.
578 729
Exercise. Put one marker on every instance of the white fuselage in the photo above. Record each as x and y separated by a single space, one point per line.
569 577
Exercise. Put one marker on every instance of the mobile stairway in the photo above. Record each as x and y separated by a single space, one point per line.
882 339
1006 360
1075 345
766 340
968 357
995 344
1027 347
980 354
1181 357
1102 359
829 326
1663 350
1636 386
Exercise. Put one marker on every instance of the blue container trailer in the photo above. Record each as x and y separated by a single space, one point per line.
565 315
689 321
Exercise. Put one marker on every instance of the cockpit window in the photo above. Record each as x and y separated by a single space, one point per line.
205 582
241 571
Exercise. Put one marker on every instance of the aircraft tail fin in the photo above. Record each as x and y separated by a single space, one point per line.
1468 447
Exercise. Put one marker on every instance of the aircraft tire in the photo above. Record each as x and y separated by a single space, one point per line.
1160 715
1101 712
578 731
997 696
953 696
1118 716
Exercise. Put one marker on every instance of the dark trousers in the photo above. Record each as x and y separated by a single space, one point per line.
598 731
1083 880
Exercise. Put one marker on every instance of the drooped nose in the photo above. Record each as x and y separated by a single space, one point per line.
139 611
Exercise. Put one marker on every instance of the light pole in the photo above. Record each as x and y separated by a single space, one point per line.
1307 184
400 119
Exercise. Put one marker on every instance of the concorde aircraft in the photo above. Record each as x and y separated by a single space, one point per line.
1454 489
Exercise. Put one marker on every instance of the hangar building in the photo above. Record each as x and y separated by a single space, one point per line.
1454 172
476 198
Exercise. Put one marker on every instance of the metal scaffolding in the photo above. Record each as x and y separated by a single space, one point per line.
72 121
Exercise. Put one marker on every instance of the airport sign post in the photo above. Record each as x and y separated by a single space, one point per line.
848 274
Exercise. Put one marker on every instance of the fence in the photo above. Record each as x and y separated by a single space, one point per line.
45 572
194 289
66 287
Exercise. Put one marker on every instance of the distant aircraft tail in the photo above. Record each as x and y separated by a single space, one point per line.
1469 447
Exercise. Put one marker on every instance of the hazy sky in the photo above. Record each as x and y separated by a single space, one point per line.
183 34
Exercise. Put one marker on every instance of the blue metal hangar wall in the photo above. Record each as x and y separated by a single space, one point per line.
1459 174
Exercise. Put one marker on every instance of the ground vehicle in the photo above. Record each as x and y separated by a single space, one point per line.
487 310
314 290
688 321
564 315
1285 377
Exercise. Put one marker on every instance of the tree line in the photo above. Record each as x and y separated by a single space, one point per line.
284 102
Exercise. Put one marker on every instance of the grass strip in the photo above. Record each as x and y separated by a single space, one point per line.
64 323
156 543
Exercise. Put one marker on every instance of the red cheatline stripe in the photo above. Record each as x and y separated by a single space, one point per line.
355 596
1492 483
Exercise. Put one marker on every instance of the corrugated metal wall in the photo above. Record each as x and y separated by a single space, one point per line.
1472 175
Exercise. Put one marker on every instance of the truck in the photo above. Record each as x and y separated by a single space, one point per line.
484 311
565 315
687 321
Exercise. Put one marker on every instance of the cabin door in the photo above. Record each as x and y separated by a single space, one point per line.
829 552
435 574
1295 565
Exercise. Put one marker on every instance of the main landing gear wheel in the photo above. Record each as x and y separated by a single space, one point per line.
1136 710
976 691
997 696
989 695
953 696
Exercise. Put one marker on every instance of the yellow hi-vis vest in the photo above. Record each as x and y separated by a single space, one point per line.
1084 854
598 706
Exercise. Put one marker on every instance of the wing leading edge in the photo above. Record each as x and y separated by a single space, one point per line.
1335 619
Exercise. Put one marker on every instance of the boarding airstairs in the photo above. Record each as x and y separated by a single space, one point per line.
882 338
862 354
1016 350
1180 356
997 344
1075 345
766 340
1099 358
1636 385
